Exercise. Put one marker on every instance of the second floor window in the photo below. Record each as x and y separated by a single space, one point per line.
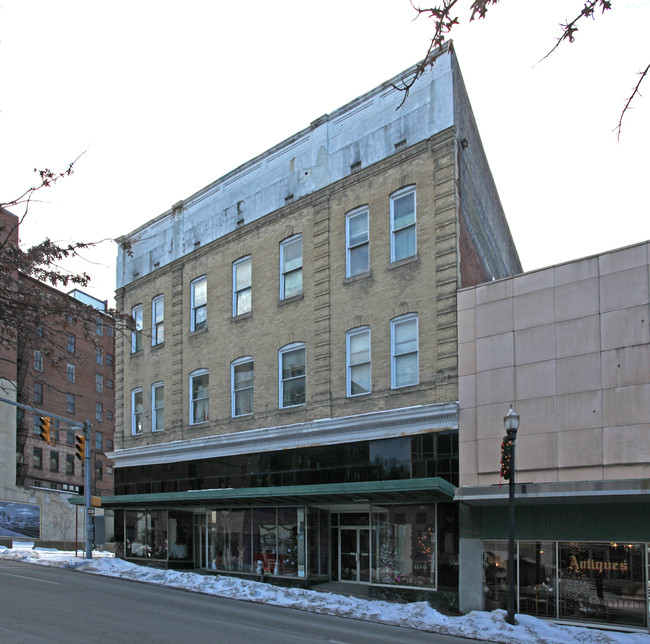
38 458
293 379
69 464
38 361
404 351
199 397
358 361
157 407
402 224
136 335
242 386
70 373
199 295
357 242
291 267
137 411
54 461
157 320
241 286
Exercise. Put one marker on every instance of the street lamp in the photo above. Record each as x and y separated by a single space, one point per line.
511 423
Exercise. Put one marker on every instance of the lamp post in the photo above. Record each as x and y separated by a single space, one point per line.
511 423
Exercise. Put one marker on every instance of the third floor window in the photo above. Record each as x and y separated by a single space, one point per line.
241 286
157 320
136 335
291 267
199 296
402 224
357 242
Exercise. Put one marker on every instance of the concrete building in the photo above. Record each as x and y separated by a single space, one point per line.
568 346
287 403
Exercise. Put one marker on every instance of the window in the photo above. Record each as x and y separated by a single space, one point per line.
99 412
241 286
99 472
70 374
109 330
404 351
109 414
291 267
157 407
109 359
99 383
36 425
69 464
71 341
136 335
242 386
38 361
99 327
157 320
38 458
199 397
109 383
137 411
292 375
69 436
358 361
109 444
38 393
70 404
357 244
99 441
402 224
199 288
99 355
54 461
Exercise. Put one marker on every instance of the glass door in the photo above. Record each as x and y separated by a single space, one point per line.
354 554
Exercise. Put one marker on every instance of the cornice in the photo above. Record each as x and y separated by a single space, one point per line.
407 421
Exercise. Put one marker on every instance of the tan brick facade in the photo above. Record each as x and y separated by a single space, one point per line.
330 305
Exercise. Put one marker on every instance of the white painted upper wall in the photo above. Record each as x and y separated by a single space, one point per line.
365 130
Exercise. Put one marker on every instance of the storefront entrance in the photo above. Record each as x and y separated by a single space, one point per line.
354 555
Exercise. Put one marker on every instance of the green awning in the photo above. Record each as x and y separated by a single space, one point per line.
403 491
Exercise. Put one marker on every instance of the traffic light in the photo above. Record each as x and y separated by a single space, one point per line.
47 430
506 458
80 445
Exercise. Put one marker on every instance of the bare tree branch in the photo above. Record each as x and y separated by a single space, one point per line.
642 74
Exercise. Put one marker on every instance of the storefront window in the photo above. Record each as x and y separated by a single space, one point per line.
537 574
317 542
495 574
180 532
603 582
146 534
404 545
230 541
265 543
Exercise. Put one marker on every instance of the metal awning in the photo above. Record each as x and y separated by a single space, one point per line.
426 490
599 491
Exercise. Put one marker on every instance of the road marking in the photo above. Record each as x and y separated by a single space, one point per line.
43 581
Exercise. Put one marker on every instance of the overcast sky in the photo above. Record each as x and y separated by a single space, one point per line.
165 97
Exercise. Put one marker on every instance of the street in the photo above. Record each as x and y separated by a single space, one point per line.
41 604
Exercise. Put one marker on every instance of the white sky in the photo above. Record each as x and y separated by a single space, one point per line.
165 97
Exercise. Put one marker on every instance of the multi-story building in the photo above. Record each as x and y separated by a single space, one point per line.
287 403
569 347
74 379
59 361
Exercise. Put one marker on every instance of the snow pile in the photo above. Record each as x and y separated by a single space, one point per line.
475 625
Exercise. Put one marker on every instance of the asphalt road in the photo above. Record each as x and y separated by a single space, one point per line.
55 606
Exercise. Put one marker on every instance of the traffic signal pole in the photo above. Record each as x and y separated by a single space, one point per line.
87 491
48 429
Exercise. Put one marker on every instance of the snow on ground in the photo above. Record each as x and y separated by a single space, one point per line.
481 625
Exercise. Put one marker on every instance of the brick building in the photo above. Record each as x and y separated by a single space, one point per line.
66 368
76 382
288 402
